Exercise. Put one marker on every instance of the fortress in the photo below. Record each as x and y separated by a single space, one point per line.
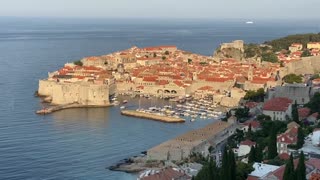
83 93
237 44
86 86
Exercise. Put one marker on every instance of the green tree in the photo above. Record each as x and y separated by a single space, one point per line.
78 63
292 78
232 164
167 53
301 168
252 155
242 113
257 96
225 167
154 55
289 173
285 42
306 53
249 133
300 138
263 117
208 172
314 103
258 153
269 57
272 146
164 58
243 169
189 61
295 114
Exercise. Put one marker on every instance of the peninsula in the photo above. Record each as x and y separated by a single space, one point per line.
167 72
266 87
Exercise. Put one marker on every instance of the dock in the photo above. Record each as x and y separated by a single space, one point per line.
52 109
155 117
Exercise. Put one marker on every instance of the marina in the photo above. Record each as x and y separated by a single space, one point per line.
190 109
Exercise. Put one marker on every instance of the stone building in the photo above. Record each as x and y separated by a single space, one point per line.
278 108
196 141
83 93
237 44
296 92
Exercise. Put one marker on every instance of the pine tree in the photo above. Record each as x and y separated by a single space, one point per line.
252 155
301 169
259 153
249 133
272 146
300 139
289 173
232 164
225 175
295 114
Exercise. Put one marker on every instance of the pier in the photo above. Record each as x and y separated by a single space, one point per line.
144 115
52 109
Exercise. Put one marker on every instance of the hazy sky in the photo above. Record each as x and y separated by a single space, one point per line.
250 9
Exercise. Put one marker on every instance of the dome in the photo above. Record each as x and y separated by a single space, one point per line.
316 138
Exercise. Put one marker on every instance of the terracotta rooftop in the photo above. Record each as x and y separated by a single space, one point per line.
248 143
284 156
303 112
167 174
277 104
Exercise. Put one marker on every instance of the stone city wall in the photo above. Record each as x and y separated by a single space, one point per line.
81 93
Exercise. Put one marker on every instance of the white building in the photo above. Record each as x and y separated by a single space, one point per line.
245 147
261 170
278 108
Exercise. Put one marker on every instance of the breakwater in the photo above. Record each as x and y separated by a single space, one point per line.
144 115
52 109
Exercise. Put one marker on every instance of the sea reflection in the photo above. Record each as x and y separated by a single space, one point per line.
92 117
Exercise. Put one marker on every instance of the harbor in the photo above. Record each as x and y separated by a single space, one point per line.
186 109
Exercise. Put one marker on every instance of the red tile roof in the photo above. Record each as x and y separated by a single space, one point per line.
303 112
248 143
167 174
150 78
254 124
205 88
285 138
284 156
251 104
277 104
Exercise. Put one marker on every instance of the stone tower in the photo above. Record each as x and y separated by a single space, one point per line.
195 76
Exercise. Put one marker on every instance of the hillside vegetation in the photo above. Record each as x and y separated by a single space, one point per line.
265 52
285 42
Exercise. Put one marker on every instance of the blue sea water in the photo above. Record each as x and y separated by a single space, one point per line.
81 143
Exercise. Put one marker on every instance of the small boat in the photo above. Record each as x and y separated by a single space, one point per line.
116 103
192 120
122 107
124 101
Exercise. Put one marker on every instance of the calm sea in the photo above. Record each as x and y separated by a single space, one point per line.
80 143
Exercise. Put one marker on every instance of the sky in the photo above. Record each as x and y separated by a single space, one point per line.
212 9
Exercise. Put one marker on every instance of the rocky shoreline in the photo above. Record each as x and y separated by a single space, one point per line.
136 164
